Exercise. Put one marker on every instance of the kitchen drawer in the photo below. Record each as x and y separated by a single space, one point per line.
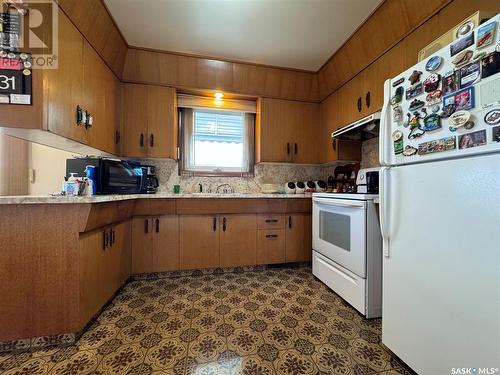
271 221
346 284
270 246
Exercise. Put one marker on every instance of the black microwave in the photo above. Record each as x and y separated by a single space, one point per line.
112 176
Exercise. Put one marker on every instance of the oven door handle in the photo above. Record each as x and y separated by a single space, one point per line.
338 202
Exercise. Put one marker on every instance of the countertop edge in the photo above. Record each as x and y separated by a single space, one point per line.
12 200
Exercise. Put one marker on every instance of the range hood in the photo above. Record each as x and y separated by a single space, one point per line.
361 130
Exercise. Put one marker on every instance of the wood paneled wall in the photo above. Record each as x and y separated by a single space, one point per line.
392 22
94 22
389 24
145 66
14 166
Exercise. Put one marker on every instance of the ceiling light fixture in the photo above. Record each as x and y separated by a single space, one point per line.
218 95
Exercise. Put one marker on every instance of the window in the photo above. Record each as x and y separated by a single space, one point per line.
217 142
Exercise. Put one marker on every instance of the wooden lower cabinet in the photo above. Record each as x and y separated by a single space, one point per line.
199 241
298 238
238 240
270 246
104 261
155 245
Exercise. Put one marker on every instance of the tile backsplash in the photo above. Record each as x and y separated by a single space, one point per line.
264 173
166 170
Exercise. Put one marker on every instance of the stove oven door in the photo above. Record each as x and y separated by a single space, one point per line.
339 232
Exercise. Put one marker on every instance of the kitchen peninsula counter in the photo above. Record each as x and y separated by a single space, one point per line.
59 199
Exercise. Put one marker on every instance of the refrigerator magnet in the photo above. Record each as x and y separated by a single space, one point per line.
432 122
462 44
492 117
495 134
490 64
398 96
432 82
415 77
416 104
459 119
474 139
462 100
437 145
409 150
397 138
462 58
433 63
470 74
398 82
397 114
414 90
450 82
486 35
434 98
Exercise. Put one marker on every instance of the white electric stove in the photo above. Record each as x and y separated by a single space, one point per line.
347 248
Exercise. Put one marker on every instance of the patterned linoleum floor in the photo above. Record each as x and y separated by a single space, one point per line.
278 321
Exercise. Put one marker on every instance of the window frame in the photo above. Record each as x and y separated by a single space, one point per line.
249 142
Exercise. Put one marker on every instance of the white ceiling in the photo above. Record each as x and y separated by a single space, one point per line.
299 34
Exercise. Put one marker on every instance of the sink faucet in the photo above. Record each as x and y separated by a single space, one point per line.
200 188
224 189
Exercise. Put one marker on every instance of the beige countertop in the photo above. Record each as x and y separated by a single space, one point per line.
48 199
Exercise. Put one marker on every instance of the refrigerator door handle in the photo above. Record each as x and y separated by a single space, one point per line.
384 225
384 155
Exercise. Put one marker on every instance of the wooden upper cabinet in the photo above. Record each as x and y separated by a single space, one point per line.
149 121
238 240
101 98
330 121
274 131
287 131
305 133
161 119
134 122
65 84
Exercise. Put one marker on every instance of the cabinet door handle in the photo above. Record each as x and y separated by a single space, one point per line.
113 237
104 240
271 236
141 140
157 225
334 144
359 104
288 148
368 99
79 115
289 221
295 148
152 140
146 226
117 137
224 224
214 224
271 220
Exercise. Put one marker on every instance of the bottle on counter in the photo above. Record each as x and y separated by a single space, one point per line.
71 186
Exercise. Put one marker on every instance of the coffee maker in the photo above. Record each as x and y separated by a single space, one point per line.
151 181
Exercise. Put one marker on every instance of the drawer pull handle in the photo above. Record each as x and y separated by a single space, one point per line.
146 226
271 236
157 225
271 220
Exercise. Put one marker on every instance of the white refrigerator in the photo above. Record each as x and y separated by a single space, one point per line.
440 209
